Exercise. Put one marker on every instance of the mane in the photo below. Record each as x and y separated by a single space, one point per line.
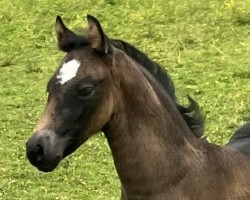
190 113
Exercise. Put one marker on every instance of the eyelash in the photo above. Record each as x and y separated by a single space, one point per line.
86 91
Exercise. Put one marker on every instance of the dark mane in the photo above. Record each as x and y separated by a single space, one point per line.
154 68
191 113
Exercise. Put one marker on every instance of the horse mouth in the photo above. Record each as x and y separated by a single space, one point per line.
46 165
49 166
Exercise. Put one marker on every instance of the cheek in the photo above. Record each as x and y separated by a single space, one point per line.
101 116
76 114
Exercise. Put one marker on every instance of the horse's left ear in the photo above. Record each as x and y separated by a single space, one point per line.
97 39
66 39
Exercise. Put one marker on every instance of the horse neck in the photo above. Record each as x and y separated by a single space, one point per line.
147 136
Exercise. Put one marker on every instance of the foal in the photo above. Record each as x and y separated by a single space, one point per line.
100 88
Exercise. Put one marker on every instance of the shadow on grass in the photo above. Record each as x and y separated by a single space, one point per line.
243 20
242 75
7 62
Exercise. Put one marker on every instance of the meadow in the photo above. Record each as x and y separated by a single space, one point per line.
203 44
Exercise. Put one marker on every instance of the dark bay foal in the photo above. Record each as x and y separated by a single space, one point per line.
99 87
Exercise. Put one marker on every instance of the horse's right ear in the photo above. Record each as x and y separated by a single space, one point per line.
97 39
66 39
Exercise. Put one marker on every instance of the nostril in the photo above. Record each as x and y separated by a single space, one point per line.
39 154
35 154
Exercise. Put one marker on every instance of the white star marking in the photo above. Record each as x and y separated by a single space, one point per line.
68 71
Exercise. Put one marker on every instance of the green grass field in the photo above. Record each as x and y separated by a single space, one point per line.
204 45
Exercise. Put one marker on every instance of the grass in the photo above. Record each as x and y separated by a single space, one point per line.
204 45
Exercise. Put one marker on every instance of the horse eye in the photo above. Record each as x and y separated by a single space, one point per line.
87 91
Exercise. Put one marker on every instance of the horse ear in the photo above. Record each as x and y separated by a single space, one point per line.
66 39
97 39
